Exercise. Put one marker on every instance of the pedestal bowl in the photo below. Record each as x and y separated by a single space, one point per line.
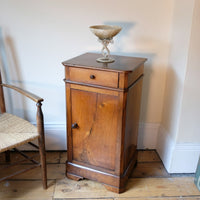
105 34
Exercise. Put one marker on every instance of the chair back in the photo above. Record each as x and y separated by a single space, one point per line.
2 101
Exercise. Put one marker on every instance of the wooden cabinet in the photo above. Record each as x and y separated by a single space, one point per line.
103 104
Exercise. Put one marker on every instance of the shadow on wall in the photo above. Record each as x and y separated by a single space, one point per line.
119 43
125 32
172 101
10 71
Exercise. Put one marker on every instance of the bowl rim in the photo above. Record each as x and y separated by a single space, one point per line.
108 27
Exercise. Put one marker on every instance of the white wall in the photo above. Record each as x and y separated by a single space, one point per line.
188 136
189 121
178 139
39 35
180 40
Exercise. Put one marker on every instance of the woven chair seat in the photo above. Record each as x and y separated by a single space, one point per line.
15 131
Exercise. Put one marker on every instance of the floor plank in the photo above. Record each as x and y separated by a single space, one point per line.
138 187
136 198
148 156
82 199
26 190
162 198
150 181
51 157
67 188
63 157
54 171
149 169
161 187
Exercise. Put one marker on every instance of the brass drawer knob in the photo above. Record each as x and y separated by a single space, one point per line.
92 76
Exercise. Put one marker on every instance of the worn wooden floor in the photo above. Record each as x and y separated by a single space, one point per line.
149 181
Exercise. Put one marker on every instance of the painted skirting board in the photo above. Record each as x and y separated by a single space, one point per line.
177 157
185 158
55 137
165 147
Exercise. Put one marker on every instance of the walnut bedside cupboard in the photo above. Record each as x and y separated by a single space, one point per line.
103 105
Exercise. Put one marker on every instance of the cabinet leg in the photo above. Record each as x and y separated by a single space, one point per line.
114 189
74 177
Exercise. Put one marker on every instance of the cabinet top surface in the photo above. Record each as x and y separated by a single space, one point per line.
122 63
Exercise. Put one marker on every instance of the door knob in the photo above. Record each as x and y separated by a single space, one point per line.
92 76
75 125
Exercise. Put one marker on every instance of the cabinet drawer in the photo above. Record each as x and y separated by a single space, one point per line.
96 77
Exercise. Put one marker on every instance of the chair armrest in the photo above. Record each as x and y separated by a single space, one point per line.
24 92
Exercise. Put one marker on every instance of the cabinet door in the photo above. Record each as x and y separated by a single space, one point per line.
94 139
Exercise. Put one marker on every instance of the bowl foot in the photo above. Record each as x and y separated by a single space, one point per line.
105 60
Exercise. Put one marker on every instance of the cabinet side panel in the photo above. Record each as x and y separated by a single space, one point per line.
132 121
68 117
132 77
94 141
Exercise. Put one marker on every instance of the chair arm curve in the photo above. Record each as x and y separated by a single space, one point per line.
30 95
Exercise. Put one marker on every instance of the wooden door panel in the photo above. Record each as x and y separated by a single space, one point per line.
94 141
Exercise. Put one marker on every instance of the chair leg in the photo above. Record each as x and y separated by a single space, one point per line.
7 156
41 143
43 162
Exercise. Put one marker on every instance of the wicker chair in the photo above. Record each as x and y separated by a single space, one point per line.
15 131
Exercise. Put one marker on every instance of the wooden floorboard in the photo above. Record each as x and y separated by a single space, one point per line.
54 171
149 181
51 157
138 187
26 190
148 156
149 169
136 198
162 198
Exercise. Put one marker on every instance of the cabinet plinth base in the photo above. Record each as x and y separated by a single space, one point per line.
114 189
74 177
111 182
